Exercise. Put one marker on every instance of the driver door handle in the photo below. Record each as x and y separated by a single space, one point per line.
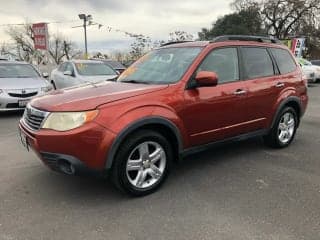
240 92
280 85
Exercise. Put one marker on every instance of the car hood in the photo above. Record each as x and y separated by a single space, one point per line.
310 68
22 83
96 79
89 96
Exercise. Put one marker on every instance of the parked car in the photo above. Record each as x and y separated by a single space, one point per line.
175 100
312 72
115 65
315 62
19 83
77 72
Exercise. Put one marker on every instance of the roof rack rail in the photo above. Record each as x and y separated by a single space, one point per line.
176 42
263 39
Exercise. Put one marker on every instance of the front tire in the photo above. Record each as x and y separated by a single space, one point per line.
284 129
142 163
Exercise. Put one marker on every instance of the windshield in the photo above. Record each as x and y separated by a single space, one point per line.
17 71
161 66
94 69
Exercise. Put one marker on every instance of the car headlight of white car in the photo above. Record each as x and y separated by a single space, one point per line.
64 121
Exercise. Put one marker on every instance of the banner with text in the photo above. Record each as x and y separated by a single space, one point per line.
40 34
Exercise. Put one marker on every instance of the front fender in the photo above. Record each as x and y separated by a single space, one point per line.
138 117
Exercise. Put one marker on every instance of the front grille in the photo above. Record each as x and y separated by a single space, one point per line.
34 118
21 95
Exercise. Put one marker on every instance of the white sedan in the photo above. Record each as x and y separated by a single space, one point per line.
312 72
77 72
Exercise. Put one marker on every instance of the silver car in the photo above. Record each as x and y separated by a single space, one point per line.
19 83
77 72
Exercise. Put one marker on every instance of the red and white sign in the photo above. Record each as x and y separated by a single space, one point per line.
40 34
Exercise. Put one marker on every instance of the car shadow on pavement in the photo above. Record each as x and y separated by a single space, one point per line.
99 190
11 114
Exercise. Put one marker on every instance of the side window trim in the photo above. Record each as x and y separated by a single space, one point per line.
276 68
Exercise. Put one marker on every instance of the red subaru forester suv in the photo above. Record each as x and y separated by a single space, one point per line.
173 101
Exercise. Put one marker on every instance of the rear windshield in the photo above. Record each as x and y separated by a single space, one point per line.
94 69
17 71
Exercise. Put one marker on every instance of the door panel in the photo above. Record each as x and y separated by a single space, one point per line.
215 113
260 80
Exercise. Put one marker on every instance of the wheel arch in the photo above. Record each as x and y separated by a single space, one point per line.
291 101
158 124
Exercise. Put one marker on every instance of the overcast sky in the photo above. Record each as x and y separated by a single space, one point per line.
154 18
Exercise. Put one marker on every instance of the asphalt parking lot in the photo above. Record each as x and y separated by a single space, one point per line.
239 191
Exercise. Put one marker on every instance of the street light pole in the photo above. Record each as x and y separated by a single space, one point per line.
85 19
85 36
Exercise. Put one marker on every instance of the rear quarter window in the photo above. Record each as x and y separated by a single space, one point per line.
284 60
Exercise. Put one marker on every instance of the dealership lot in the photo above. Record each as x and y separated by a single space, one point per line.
238 191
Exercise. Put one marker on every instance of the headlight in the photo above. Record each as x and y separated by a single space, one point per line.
64 121
46 89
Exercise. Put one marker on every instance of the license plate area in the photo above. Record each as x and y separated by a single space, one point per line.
23 103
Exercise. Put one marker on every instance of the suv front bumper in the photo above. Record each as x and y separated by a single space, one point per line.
70 152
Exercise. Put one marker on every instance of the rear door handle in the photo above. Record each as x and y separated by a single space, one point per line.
280 85
240 92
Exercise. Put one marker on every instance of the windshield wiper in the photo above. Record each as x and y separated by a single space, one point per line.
134 81
113 79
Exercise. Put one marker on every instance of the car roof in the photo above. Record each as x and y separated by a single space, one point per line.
230 40
84 61
13 62
114 64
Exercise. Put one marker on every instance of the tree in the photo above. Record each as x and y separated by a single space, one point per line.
6 51
60 48
245 22
178 36
284 18
23 40
140 46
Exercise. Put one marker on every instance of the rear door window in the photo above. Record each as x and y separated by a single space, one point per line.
257 62
284 60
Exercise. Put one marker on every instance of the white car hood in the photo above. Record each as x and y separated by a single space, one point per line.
95 79
22 83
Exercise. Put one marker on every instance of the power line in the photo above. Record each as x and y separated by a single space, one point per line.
22 24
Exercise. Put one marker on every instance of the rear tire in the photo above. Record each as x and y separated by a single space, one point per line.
142 163
284 129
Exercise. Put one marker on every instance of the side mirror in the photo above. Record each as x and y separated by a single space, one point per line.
45 74
206 79
67 73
